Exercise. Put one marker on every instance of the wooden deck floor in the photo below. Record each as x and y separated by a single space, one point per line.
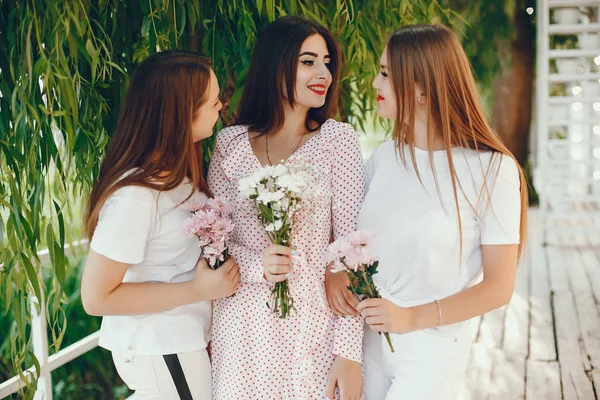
545 344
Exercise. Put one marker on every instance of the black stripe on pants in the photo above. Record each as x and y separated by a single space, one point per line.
178 376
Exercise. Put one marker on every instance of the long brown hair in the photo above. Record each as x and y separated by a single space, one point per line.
432 56
273 70
153 140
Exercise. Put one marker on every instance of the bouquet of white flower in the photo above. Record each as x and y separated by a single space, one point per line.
276 192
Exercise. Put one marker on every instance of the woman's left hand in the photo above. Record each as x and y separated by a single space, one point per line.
347 375
384 316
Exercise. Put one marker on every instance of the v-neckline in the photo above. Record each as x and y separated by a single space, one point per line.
257 160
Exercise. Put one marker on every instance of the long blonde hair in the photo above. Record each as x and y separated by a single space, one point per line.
432 56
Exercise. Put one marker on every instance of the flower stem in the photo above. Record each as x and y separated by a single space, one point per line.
389 340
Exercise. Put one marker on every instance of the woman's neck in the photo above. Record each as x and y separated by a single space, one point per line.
422 136
294 121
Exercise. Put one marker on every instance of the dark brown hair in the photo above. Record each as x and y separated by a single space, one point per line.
272 73
152 145
432 56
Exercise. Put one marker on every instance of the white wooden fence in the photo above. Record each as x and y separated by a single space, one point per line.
39 331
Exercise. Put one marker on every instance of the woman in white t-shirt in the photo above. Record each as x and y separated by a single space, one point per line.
447 201
142 274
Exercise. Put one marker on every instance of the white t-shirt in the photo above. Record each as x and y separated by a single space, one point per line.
417 241
142 227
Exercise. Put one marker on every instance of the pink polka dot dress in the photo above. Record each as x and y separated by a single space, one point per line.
255 354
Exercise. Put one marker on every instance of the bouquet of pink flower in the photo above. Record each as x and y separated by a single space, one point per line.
211 223
353 255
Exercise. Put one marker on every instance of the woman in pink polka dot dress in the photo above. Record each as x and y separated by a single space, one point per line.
290 93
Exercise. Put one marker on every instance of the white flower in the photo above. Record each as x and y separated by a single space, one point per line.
278 171
248 184
293 183
266 197
273 227
284 203
270 227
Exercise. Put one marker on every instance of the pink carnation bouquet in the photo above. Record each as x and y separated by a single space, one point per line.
354 256
211 223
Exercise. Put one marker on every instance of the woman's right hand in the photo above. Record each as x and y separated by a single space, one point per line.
212 284
277 263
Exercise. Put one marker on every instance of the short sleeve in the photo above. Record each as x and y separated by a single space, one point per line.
370 167
502 217
125 225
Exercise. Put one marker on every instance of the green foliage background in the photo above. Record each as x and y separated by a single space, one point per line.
64 67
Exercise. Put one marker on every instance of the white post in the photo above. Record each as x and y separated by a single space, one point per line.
543 70
39 334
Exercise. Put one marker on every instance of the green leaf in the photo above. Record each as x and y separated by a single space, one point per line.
270 5
50 243
61 225
32 275
8 288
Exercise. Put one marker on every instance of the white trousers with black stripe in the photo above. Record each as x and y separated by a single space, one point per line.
152 378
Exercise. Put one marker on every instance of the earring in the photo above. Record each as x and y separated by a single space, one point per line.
421 100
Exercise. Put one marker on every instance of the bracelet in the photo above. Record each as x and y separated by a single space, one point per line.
439 307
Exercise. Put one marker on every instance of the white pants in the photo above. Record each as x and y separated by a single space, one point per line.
151 377
426 365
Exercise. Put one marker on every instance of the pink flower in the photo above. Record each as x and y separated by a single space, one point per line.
211 217
194 204
337 250
192 226
361 238
222 226
213 253
211 224
220 206
364 255
352 259
338 266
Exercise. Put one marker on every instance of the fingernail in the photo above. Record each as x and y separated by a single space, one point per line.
327 398
294 252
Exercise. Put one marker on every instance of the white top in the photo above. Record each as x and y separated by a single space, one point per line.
142 227
417 241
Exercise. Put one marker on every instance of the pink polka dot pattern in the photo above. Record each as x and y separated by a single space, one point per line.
255 354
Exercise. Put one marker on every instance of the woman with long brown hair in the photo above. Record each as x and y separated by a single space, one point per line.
142 274
448 202
285 118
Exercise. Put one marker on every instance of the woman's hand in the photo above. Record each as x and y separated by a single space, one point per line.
347 375
214 284
277 263
341 301
384 316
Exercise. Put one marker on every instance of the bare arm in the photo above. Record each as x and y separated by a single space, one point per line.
495 290
104 293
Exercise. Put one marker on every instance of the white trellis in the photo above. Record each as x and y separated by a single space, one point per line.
39 331
567 160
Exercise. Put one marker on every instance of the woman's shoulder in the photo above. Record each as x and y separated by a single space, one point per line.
492 164
384 149
135 193
231 131
230 135
333 127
